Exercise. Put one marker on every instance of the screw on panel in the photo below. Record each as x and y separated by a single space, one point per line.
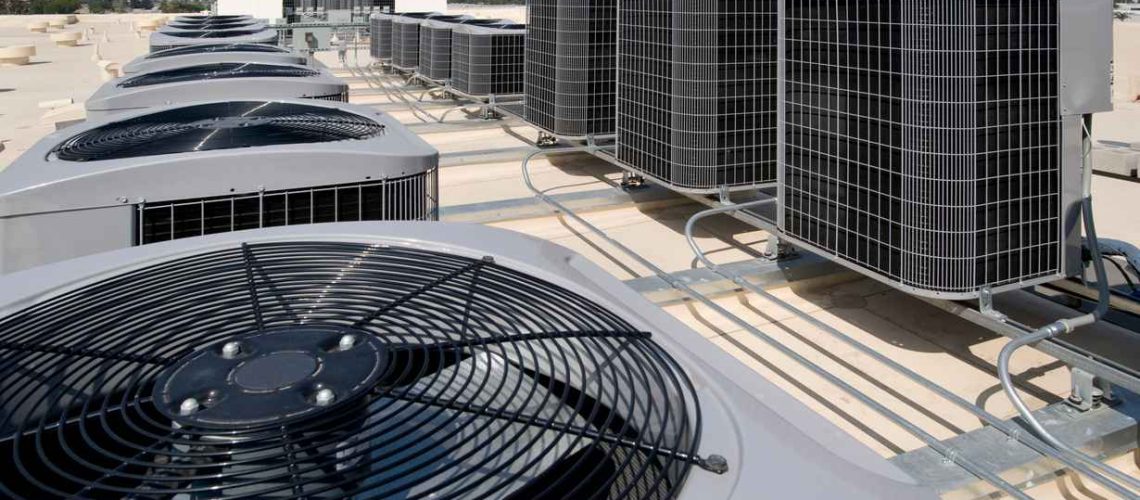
188 407
714 463
231 350
346 342
324 397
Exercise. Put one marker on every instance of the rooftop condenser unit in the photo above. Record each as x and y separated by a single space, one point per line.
937 146
435 46
194 169
406 39
162 41
570 67
696 95
208 18
381 32
488 60
194 55
388 360
223 80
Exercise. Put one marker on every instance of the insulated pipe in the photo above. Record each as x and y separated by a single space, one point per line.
950 454
1006 428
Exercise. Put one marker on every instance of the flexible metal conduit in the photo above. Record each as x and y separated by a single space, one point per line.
1064 326
949 453
1037 445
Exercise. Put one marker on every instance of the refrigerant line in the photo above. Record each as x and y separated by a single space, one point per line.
950 454
1037 445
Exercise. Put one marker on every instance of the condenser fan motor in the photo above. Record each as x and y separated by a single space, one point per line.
222 125
326 369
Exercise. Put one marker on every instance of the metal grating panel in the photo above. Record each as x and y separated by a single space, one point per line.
488 61
570 66
923 139
409 198
697 91
381 41
406 43
435 51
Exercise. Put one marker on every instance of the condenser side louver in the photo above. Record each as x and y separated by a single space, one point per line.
697 93
406 39
435 46
927 144
570 67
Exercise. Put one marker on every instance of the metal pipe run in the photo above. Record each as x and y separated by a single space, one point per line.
1011 430
950 454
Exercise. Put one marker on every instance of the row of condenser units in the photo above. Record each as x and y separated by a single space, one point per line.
934 145
212 135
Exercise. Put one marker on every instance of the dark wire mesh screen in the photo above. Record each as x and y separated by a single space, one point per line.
380 45
923 138
697 91
488 62
406 43
408 198
435 51
494 384
210 49
570 66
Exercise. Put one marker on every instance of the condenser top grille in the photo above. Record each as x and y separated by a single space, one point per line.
440 375
225 47
217 71
226 125
212 34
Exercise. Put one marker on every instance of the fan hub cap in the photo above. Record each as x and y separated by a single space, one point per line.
272 377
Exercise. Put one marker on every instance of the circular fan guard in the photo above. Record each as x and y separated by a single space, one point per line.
494 383
226 125
211 34
217 71
224 47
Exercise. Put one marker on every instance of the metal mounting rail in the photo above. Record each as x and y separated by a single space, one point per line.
1006 428
951 455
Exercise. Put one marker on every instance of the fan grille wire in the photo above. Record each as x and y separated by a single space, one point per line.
205 127
226 47
216 71
500 384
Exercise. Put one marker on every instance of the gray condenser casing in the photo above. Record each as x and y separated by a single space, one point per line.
488 60
696 93
937 146
180 299
406 39
209 54
570 74
135 178
220 80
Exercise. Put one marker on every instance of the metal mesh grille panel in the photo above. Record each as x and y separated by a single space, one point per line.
435 52
697 91
923 138
408 198
570 66
488 63
406 45
381 41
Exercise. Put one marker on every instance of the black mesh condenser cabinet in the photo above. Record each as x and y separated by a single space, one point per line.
937 146
570 67
488 60
696 94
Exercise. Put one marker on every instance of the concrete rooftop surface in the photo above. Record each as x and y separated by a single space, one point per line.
480 182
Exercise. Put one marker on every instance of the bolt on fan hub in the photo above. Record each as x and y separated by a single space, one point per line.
270 377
